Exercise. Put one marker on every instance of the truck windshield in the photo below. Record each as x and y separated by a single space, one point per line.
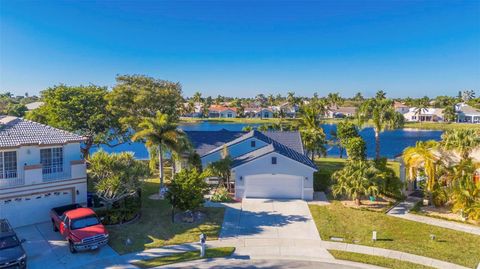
84 222
8 242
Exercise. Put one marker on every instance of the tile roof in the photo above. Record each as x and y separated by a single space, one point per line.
274 147
220 108
16 132
206 141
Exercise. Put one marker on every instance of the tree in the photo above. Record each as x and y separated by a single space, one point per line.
383 116
380 95
197 97
464 141
81 110
222 168
421 107
356 148
449 114
312 133
115 176
358 97
334 99
467 95
162 133
17 110
136 97
356 179
345 131
423 156
465 192
187 190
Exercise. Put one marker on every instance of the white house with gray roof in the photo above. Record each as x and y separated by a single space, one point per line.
265 164
466 113
41 167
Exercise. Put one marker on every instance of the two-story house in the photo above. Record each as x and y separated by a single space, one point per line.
41 167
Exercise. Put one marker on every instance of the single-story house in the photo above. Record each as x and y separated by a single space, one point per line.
258 112
41 167
400 107
424 115
34 105
268 164
466 113
341 112
219 111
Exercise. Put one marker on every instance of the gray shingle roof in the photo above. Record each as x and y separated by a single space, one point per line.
274 147
16 132
206 141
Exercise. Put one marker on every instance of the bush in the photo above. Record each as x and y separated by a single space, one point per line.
322 180
187 190
121 211
221 195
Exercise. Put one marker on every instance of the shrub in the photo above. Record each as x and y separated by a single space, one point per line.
221 195
322 180
187 190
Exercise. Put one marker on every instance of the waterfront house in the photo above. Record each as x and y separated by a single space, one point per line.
269 164
41 167
424 115
400 107
258 112
466 113
220 111
341 112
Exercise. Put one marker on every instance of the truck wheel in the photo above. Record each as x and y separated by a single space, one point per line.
55 229
72 248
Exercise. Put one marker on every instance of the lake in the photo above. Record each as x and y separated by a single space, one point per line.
392 143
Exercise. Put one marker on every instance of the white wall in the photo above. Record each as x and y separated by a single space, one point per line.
263 165
234 150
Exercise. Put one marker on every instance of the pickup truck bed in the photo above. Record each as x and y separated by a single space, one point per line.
62 209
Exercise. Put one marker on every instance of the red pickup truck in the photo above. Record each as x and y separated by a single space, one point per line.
80 226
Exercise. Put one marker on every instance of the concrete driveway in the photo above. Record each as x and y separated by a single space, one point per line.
269 219
47 249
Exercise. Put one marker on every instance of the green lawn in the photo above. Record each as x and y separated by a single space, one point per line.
154 229
376 260
185 256
336 220
440 125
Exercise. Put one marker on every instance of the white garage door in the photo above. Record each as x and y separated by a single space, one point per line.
273 186
32 209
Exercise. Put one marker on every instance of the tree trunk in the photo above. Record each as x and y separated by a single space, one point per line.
160 168
341 151
377 145
357 201
174 167
86 150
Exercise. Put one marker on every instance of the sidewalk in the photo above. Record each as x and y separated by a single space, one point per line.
402 209
290 249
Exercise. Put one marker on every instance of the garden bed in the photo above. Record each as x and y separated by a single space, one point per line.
443 212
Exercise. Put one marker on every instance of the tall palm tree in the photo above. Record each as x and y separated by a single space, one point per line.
291 99
334 99
162 133
357 178
464 141
197 97
422 155
383 116
312 133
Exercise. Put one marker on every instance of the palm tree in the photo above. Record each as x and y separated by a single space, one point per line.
334 99
464 141
291 99
271 100
422 155
312 133
197 97
357 178
162 133
381 95
449 114
421 107
383 117
467 95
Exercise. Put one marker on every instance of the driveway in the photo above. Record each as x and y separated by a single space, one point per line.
47 249
269 219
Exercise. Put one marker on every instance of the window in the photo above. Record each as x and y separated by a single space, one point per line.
8 164
253 143
52 160
230 115
274 160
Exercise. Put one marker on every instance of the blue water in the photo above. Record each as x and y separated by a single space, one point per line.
392 143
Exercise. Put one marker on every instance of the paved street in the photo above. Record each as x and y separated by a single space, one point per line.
47 249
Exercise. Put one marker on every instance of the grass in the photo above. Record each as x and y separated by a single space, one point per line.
376 260
238 120
440 125
185 256
327 166
154 228
335 220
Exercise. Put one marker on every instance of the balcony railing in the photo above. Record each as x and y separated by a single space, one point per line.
55 176
11 182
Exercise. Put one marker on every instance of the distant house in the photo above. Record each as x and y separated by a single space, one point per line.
424 115
197 110
289 110
34 105
466 113
400 107
219 111
341 112
41 167
265 164
258 112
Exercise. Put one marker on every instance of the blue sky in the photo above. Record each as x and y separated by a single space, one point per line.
407 48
